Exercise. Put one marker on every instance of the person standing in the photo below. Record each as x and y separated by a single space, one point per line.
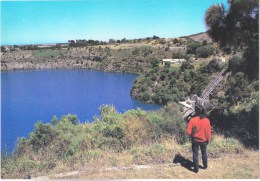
200 133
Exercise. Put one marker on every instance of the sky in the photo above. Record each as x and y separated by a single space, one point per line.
35 22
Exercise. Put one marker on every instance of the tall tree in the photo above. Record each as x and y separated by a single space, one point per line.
237 27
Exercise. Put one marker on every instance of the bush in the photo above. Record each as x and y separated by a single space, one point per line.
213 66
42 136
205 51
235 64
192 47
135 51
170 122
175 40
108 113
18 166
137 130
154 62
219 145
186 65
145 97
179 55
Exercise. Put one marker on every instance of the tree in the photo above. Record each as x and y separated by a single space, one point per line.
111 41
162 41
215 15
54 121
154 62
186 65
234 64
42 136
238 26
124 40
155 37
205 51
175 41
179 55
204 43
212 66
3 49
192 47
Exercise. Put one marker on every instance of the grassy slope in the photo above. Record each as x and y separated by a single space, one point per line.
231 166
227 159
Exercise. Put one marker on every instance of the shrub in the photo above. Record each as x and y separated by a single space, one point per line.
135 51
219 145
154 62
54 121
161 41
234 64
137 130
186 65
205 51
72 119
175 40
192 47
42 135
145 97
108 114
179 55
213 66
21 146
170 122
17 167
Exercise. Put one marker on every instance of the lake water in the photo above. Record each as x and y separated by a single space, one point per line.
30 96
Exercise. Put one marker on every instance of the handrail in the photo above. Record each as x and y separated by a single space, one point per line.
207 91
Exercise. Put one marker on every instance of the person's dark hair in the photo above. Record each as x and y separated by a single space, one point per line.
199 110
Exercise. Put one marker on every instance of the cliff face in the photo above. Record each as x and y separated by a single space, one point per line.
43 59
131 60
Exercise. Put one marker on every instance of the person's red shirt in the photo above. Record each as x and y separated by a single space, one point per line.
199 129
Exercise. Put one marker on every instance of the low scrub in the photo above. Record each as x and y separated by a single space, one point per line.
111 140
48 53
67 141
164 84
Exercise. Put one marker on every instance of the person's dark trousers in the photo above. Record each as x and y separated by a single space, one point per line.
195 150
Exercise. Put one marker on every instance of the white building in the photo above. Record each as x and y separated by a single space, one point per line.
173 61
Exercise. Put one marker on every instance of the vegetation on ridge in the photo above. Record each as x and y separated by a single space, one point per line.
237 108
67 141
236 100
163 84
111 140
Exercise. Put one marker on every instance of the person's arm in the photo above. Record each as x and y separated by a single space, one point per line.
189 128
208 132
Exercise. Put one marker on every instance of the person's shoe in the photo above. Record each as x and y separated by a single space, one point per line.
203 167
196 171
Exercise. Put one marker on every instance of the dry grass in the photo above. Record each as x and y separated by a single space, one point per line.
157 159
227 159
232 166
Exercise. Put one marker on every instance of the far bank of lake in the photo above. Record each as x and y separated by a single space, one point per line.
30 96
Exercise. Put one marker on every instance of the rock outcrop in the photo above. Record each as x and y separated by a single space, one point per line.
97 58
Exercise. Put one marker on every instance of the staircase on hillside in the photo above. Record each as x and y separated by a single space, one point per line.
201 100
210 87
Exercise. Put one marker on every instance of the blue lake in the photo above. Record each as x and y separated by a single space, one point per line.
30 96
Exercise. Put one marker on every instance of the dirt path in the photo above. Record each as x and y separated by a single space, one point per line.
232 166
